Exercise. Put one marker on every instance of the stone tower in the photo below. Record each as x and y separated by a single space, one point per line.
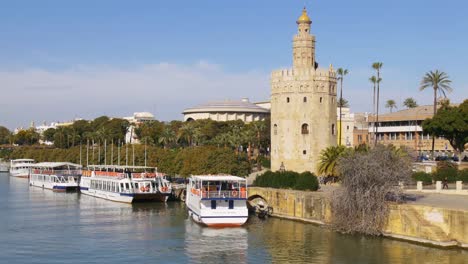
303 106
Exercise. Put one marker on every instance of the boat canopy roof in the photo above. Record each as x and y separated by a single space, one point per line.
217 178
22 160
119 167
56 165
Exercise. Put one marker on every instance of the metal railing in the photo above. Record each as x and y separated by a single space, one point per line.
221 194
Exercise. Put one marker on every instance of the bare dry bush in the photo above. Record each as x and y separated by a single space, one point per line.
369 180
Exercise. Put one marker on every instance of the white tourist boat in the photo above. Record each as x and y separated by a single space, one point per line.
217 200
20 167
57 176
4 166
125 184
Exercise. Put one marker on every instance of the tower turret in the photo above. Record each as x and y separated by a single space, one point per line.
304 43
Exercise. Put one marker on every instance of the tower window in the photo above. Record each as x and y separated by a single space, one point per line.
305 129
304 152
333 129
275 129
306 30
287 99
320 99
347 128
305 99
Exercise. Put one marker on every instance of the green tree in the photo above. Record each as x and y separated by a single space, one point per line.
5 135
341 74
343 103
439 81
391 104
26 137
410 103
328 160
49 134
167 137
377 66
451 123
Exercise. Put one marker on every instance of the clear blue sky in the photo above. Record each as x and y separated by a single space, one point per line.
49 47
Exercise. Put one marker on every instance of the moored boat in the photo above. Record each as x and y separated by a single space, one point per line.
56 176
125 184
20 167
4 166
217 200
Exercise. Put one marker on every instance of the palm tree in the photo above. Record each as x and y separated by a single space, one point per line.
440 82
187 132
341 74
410 103
167 136
343 103
391 104
377 66
328 160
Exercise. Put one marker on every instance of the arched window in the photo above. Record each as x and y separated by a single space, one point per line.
275 129
287 99
305 99
333 129
304 152
320 99
305 129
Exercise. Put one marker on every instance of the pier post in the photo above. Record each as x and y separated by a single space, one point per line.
419 186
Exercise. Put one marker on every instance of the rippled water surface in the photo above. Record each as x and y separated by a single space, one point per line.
40 226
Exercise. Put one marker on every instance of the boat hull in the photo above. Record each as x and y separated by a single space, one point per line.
55 187
111 196
218 221
21 173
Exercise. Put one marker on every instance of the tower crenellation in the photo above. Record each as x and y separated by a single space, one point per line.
303 106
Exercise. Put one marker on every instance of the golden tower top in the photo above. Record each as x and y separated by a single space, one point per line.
304 18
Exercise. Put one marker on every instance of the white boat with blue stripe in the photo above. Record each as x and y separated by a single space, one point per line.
125 184
217 200
56 176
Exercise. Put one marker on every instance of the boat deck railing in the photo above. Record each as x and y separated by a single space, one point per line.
58 172
221 194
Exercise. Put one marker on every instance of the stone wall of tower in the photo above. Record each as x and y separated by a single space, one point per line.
303 109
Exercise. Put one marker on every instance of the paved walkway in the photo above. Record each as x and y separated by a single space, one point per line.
452 201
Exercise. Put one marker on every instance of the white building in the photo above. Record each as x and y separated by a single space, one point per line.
228 110
135 120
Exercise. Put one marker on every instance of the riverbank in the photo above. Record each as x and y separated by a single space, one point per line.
421 223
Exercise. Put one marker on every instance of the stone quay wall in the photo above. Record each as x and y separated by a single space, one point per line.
412 222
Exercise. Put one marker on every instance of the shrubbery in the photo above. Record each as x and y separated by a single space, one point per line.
446 169
288 180
463 175
426 178
186 161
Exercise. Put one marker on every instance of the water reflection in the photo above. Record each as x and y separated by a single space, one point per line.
214 245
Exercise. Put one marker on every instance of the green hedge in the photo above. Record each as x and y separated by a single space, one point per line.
288 180
426 178
463 175
446 169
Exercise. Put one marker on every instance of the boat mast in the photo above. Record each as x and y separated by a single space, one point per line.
118 153
87 152
105 151
112 152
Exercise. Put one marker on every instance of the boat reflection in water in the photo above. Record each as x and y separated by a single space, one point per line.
215 245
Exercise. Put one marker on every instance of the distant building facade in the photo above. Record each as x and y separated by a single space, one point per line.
303 107
404 128
346 128
228 110
137 119
361 129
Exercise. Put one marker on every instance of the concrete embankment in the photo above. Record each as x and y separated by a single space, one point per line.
438 226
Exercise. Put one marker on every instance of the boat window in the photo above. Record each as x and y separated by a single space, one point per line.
213 204
231 204
121 186
127 186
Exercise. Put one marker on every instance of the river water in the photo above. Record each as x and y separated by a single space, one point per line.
40 226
